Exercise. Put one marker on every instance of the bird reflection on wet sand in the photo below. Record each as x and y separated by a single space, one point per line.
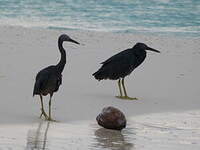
111 139
37 139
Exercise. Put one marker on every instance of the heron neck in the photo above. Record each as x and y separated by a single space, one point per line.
62 61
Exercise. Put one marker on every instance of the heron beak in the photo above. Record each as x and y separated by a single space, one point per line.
73 41
151 49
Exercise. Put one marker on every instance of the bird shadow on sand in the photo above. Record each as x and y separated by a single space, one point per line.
38 138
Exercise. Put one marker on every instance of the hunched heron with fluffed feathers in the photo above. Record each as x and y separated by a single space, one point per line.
49 79
122 64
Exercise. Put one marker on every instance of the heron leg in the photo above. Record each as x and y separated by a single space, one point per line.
42 109
120 89
50 119
125 93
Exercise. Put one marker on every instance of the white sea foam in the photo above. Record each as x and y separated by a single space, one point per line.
159 16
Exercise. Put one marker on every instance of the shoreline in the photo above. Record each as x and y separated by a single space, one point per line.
166 34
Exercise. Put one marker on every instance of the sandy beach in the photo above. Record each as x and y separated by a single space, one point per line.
166 85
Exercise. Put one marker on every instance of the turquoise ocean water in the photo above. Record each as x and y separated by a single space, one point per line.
179 17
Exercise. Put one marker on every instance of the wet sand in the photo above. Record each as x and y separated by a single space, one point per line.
144 132
166 85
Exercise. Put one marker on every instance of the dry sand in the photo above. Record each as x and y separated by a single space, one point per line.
165 84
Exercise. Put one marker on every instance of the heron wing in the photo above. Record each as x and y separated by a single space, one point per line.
120 67
117 66
41 80
40 83
117 57
47 81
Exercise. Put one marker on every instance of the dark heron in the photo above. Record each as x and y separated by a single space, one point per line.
49 79
122 64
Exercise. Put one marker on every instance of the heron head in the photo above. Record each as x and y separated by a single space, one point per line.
65 37
143 46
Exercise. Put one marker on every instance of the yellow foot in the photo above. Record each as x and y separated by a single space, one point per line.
45 115
127 98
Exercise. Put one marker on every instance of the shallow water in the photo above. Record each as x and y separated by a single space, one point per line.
180 17
153 131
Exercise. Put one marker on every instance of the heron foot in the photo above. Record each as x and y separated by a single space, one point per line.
127 98
45 115
50 119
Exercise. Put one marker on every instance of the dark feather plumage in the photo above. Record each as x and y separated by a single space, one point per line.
49 79
122 64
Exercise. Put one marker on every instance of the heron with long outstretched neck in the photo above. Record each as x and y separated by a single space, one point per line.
122 64
49 79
